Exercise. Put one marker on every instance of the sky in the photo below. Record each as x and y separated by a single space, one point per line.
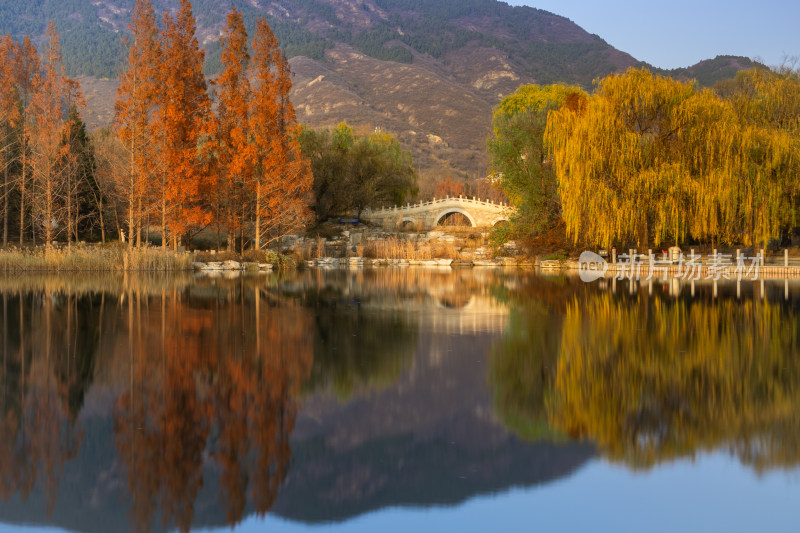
680 33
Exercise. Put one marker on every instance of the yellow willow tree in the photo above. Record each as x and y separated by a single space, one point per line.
646 159
134 111
282 175
767 109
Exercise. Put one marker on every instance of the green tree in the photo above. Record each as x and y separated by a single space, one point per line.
520 159
352 173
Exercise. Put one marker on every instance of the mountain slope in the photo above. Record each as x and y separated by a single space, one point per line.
427 71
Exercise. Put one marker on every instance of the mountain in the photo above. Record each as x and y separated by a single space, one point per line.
429 71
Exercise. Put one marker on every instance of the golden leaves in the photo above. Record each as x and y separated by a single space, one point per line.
664 160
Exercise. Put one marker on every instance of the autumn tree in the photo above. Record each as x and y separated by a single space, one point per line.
9 117
182 126
766 106
134 110
111 180
449 188
520 161
235 146
282 173
664 160
27 80
50 105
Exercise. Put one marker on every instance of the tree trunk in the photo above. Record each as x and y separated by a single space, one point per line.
257 243
139 222
163 216
102 224
22 196
242 232
5 207
69 212
48 212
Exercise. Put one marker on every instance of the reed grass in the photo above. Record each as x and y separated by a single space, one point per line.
93 259
395 248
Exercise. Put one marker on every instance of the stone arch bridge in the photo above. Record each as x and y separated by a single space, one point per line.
427 215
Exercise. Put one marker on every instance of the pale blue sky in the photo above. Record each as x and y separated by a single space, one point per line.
680 33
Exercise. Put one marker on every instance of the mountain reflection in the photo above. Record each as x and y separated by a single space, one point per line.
650 378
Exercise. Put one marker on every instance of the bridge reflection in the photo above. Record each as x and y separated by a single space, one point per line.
434 300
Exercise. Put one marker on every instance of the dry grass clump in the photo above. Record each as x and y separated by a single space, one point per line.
92 259
395 248
305 250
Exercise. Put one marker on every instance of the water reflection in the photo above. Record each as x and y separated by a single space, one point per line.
196 383
174 402
206 373
654 375
214 371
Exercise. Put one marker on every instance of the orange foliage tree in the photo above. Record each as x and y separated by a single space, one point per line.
9 115
50 105
241 170
26 68
449 188
134 111
234 146
182 126
282 176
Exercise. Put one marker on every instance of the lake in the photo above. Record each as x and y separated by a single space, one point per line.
398 399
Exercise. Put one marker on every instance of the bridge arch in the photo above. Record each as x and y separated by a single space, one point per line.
407 222
499 220
450 210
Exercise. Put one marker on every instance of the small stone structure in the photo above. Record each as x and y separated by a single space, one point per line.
426 215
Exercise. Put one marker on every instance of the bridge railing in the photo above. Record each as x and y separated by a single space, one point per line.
459 199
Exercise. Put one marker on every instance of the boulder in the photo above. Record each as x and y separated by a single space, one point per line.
231 265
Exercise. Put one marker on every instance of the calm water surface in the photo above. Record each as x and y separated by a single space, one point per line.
398 400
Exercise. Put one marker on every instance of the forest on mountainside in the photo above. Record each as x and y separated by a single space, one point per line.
548 47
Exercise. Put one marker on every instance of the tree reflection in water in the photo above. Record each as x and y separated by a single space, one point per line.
651 378
45 362
211 372
204 375
215 372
